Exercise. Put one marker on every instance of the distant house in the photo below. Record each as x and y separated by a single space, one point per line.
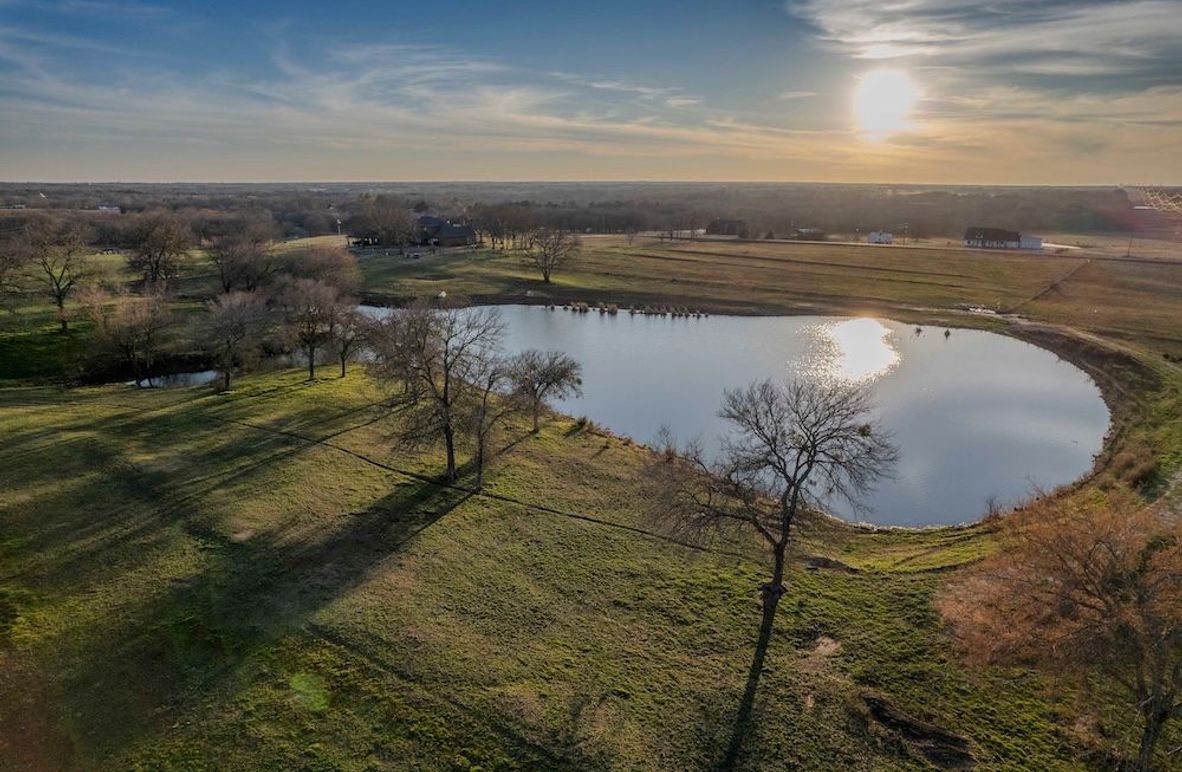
1030 242
810 234
880 237
722 227
110 209
432 231
992 238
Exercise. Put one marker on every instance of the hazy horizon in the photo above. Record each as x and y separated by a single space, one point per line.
579 181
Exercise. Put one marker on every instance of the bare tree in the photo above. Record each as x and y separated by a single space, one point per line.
309 306
133 327
243 253
159 240
553 249
436 356
13 255
387 219
490 408
57 257
233 330
1088 584
541 375
793 448
348 329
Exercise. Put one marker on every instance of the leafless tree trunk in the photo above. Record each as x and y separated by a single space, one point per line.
490 409
436 356
794 446
243 255
347 331
161 238
57 253
232 331
553 249
309 307
539 375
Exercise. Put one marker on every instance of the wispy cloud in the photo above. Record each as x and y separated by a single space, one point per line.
370 97
1015 82
314 105
1055 37
104 8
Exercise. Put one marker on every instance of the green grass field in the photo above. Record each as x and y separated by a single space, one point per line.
265 579
1088 290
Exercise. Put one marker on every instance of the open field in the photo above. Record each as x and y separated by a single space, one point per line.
260 580
264 579
1128 300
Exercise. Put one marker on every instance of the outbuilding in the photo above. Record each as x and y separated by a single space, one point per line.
992 238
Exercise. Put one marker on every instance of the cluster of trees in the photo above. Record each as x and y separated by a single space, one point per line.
269 300
446 371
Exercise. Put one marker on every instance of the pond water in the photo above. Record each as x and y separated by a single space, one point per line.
173 380
974 414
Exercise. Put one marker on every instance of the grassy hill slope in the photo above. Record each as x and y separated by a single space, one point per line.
265 580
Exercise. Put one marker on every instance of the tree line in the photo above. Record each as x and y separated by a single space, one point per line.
503 211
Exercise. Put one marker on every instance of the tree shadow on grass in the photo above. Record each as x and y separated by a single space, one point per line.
147 670
745 717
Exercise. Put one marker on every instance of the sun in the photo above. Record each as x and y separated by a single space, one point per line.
883 101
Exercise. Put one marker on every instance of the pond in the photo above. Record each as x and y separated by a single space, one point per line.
974 414
175 380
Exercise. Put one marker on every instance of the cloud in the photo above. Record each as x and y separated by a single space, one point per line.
104 8
374 98
328 107
1022 83
1055 37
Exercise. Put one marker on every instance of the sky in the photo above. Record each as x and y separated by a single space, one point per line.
902 91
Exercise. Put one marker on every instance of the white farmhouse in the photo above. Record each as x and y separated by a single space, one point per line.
880 237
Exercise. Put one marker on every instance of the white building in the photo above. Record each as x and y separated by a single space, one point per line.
880 237
1030 242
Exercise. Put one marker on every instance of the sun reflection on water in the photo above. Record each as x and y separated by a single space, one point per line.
853 350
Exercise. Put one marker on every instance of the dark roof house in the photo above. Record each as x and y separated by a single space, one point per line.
432 231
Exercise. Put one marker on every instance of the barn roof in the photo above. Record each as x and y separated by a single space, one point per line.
975 233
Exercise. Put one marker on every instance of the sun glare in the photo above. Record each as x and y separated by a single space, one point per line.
883 101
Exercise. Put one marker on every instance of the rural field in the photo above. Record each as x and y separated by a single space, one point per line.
616 386
267 578
1134 300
